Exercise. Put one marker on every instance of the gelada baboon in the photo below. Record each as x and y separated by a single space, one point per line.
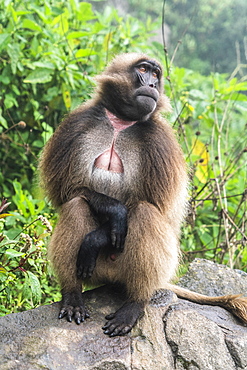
117 174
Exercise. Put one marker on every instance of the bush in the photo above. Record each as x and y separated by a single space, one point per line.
25 276
210 117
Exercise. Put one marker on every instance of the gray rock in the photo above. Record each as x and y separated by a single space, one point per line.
209 278
203 349
205 337
36 339
174 334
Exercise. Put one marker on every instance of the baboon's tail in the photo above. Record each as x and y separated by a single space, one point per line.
236 304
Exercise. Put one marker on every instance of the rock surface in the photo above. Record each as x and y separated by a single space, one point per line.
209 278
174 333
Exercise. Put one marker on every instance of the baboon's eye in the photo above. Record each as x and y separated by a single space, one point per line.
142 69
155 74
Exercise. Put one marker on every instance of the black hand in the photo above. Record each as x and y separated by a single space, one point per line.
89 250
118 225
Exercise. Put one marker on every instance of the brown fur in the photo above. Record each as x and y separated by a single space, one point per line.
236 304
153 187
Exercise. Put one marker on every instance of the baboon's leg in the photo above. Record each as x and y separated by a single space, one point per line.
74 223
148 262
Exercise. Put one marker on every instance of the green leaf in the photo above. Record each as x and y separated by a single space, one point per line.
235 96
38 143
23 12
7 242
13 13
39 75
47 65
3 121
35 286
10 101
3 38
14 53
66 96
84 53
28 23
77 34
13 253
85 13
17 186
60 23
3 270
30 206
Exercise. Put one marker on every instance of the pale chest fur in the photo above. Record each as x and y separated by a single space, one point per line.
110 165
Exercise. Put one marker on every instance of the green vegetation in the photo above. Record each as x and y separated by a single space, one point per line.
210 117
215 38
211 34
25 275
49 52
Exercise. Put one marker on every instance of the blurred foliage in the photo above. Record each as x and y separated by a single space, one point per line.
211 34
49 52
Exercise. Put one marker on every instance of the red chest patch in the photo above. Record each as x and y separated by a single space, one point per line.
109 160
